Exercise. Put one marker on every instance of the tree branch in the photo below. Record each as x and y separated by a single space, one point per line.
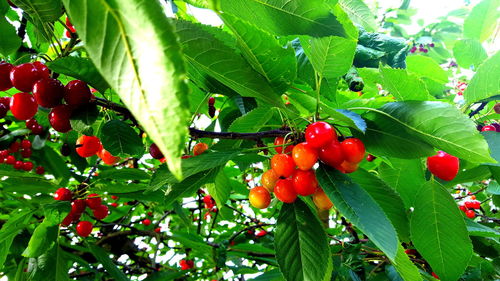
195 133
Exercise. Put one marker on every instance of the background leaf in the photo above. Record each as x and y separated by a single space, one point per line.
79 68
403 86
482 20
486 82
120 139
359 13
10 41
469 52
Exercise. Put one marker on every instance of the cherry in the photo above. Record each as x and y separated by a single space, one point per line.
93 200
186 264
497 126
101 212
470 214
107 157
114 197
435 275
26 144
304 182
67 220
59 118
48 92
279 149
305 156
63 194
18 165
443 165
199 148
155 151
3 110
5 101
65 149
26 153
77 92
37 130
150 214
28 166
496 108
10 160
332 154
269 179
40 170
146 222
158 229
5 83
353 150
4 154
209 201
261 233
259 197
23 106
347 167
42 69
211 101
283 165
320 134
284 191
70 26
370 158
114 204
321 200
78 206
488 128
24 76
411 252
84 228
14 147
31 123
88 146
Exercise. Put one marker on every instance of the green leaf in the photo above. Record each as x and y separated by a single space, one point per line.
264 53
426 67
482 20
359 13
83 118
151 81
493 140
107 263
302 17
439 233
43 237
477 229
386 198
360 208
222 188
52 265
120 139
344 116
206 52
436 123
79 68
301 244
486 82
493 188
124 174
403 86
53 163
252 121
10 41
44 10
469 52
15 223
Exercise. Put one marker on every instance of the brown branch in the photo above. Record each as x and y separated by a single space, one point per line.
195 133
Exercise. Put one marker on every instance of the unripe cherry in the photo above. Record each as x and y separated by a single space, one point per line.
269 179
321 200
259 197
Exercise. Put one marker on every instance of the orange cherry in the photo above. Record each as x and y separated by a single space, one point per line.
269 179
305 156
283 165
199 148
321 200
347 167
259 197
107 157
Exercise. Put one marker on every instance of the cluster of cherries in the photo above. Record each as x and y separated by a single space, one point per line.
78 206
186 264
421 48
147 222
209 205
469 206
87 146
293 175
23 150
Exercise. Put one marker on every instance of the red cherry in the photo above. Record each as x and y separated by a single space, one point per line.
283 165
470 214
23 106
5 101
93 200
42 69
370 158
67 220
78 206
284 191
435 275
24 76
114 197
107 157
26 153
5 83
10 160
63 194
18 165
4 154
77 92
411 252
37 130
84 228
347 167
48 92
279 149
31 123
40 170
114 204
305 156
199 148
155 151
59 118
443 165
3 110
28 166
211 101
26 144
146 222
353 150
261 233
158 229
304 182
101 212
332 154
488 128
462 208
89 146
14 147
70 26
320 134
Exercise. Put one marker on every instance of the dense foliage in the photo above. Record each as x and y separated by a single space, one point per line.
139 144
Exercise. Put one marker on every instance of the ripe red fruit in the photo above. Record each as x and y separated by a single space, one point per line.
305 156
3 110
370 158
48 92
443 165
63 194
279 149
67 220
470 214
284 191
209 201
114 204
14 147
304 182
10 160
78 206
107 157
158 229
211 101
319 134
43 70
70 26
89 146
283 165
25 144
5 83
31 123
4 154
435 275
37 130
28 166
84 228
186 264
146 222
23 106
24 76
347 167
332 154
261 233
411 252
100 212
199 148
77 92
5 101
488 128
93 200
462 208
155 152
59 118
40 170
353 150
114 197
259 197
18 165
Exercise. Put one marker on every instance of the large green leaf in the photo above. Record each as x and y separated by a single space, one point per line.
107 263
120 139
283 17
43 237
80 68
52 265
357 205
403 86
301 244
486 82
221 189
138 40
41 13
54 164
10 41
359 13
436 123
264 53
426 67
205 51
16 222
438 232
482 20
469 52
